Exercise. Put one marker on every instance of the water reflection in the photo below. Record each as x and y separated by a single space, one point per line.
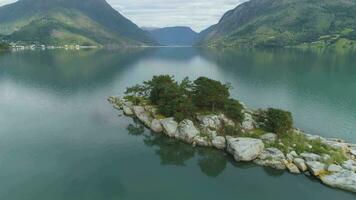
211 162
67 70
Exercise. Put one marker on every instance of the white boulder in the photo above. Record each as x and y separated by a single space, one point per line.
349 165
248 123
310 157
170 126
187 131
300 163
219 142
142 115
156 126
244 149
292 168
127 110
345 180
269 137
315 167
334 168
271 157
210 121
202 141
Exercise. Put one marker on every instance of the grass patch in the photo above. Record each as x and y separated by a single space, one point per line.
300 144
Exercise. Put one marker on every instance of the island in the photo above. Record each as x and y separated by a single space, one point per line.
202 113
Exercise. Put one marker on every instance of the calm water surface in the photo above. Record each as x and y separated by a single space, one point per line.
60 139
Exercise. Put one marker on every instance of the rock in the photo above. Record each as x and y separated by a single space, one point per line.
300 163
219 142
226 121
170 126
289 157
156 126
345 180
142 115
210 121
336 145
248 123
202 141
325 157
244 149
127 110
292 168
310 157
151 109
271 157
187 131
269 137
315 167
353 152
294 154
334 168
349 165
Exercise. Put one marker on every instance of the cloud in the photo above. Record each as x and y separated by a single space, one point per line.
198 14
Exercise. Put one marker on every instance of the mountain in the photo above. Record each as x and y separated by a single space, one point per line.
174 36
285 23
89 22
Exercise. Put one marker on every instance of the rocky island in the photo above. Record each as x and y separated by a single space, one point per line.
201 113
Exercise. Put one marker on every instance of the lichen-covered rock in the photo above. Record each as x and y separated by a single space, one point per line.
248 123
334 168
310 157
210 121
244 149
170 126
142 115
349 165
300 163
187 131
292 168
345 180
271 157
219 142
315 167
156 126
269 137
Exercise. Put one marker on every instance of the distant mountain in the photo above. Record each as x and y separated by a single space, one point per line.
286 23
177 36
89 22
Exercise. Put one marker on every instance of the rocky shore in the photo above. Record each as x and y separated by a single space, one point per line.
204 131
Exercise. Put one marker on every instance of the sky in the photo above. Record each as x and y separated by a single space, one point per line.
197 14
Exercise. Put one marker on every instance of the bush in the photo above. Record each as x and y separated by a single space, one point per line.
279 121
233 110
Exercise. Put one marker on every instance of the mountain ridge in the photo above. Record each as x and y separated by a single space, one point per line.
91 21
280 23
174 36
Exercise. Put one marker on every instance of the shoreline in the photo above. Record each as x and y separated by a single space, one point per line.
253 146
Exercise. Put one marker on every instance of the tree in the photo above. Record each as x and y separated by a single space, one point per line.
279 121
233 110
210 94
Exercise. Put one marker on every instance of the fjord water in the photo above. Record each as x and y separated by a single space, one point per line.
60 139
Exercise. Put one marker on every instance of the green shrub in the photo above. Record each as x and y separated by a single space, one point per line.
279 121
233 110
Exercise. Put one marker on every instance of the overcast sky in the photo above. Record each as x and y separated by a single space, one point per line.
198 14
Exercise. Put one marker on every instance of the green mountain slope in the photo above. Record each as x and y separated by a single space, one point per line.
286 23
90 22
